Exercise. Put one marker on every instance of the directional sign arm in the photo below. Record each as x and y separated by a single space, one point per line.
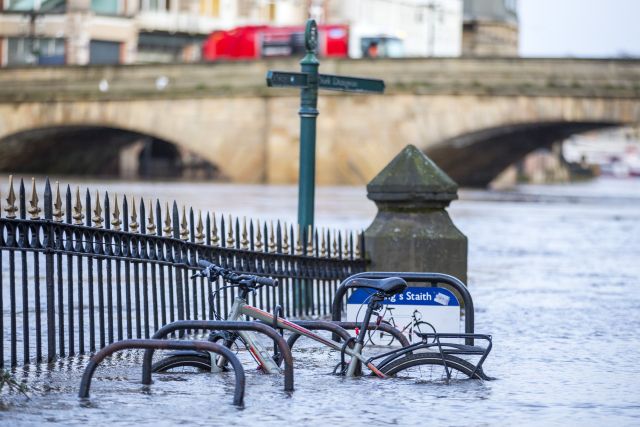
350 84
287 79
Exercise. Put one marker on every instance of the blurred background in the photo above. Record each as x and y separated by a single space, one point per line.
496 91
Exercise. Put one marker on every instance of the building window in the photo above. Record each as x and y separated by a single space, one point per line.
244 8
210 8
27 50
104 52
105 7
19 4
28 5
272 12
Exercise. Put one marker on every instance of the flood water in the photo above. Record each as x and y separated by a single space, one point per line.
554 273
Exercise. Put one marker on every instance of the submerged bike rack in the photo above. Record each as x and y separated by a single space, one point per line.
155 344
221 325
433 278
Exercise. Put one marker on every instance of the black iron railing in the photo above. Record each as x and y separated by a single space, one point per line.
78 278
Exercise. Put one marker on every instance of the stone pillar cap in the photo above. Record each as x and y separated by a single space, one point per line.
412 177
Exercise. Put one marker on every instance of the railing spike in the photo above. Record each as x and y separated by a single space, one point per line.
97 211
192 224
359 236
222 231
298 243
175 220
77 214
158 218
125 213
22 201
48 200
278 237
309 241
285 240
184 230
335 253
346 252
272 240
87 206
258 243
215 240
207 229
252 235
245 234
230 240
107 211
133 225
168 229
151 226
237 233
116 222
34 209
11 208
323 245
58 212
200 229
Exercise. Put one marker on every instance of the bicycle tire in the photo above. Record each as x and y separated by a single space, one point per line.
416 326
202 363
377 337
402 367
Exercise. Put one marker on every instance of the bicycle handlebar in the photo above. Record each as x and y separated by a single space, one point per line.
212 271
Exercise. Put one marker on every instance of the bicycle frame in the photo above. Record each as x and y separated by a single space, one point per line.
240 308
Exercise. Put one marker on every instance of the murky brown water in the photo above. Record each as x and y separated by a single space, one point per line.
554 272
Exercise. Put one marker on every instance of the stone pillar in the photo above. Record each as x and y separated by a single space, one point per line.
412 230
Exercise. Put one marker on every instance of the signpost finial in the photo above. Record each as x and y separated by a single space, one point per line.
311 36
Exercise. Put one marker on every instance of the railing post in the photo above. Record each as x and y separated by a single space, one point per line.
48 259
178 260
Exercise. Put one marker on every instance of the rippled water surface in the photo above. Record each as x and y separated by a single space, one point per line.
554 275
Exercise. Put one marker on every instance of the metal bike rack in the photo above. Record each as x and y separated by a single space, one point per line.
433 278
155 344
221 325
384 327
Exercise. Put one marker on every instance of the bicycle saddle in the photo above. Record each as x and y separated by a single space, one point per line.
389 286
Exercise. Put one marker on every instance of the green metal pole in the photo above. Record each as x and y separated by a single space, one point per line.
307 176
308 113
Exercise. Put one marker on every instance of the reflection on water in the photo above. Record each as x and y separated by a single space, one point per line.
554 274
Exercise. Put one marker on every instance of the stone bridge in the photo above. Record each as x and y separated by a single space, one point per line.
474 117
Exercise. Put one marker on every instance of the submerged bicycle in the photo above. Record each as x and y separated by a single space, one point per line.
432 358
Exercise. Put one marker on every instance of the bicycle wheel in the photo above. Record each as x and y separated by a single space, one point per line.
377 337
421 328
183 363
426 367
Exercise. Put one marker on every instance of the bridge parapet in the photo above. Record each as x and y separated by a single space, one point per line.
487 76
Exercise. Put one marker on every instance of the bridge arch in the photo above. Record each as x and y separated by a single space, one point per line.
98 150
475 159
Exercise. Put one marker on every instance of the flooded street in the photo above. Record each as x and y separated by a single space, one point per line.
554 273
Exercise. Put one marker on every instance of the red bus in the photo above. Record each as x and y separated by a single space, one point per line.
262 41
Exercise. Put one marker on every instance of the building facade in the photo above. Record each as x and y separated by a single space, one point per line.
414 28
490 28
81 32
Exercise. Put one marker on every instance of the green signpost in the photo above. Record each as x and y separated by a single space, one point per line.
309 80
